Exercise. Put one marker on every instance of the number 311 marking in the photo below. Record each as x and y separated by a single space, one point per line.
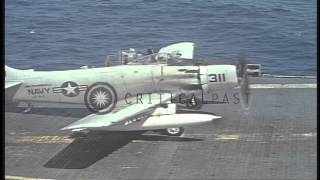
217 78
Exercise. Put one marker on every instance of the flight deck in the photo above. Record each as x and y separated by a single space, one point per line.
274 139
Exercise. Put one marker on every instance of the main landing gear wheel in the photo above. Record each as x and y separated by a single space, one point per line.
173 131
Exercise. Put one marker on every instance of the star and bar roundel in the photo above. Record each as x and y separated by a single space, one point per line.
99 98
70 89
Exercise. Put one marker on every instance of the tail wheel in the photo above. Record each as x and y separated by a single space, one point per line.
174 131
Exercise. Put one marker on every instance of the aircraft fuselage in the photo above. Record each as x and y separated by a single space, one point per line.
70 86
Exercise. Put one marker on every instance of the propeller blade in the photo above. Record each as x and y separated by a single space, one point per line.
244 82
245 90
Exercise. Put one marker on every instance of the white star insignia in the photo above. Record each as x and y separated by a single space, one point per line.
70 89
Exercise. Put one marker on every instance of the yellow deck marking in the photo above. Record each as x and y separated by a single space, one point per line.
47 139
212 137
194 135
137 141
227 137
23 178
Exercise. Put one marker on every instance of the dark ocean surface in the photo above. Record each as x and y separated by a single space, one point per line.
62 34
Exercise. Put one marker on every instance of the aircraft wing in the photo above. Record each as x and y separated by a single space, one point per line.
120 113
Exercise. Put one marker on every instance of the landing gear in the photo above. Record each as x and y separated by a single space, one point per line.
28 108
173 131
194 103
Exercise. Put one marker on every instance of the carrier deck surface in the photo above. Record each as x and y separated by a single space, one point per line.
274 139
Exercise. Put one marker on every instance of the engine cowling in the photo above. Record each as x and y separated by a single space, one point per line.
218 76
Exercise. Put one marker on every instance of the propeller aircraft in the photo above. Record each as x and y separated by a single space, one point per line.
142 93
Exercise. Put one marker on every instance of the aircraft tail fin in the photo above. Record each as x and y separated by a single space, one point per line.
11 73
11 82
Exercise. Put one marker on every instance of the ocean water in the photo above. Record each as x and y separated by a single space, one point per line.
62 34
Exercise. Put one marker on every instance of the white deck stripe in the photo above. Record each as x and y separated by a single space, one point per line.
276 86
285 76
23 178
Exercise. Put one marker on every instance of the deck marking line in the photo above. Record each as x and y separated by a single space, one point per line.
23 178
228 137
137 141
284 86
128 167
46 139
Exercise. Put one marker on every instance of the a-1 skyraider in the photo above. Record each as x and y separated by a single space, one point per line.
143 93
